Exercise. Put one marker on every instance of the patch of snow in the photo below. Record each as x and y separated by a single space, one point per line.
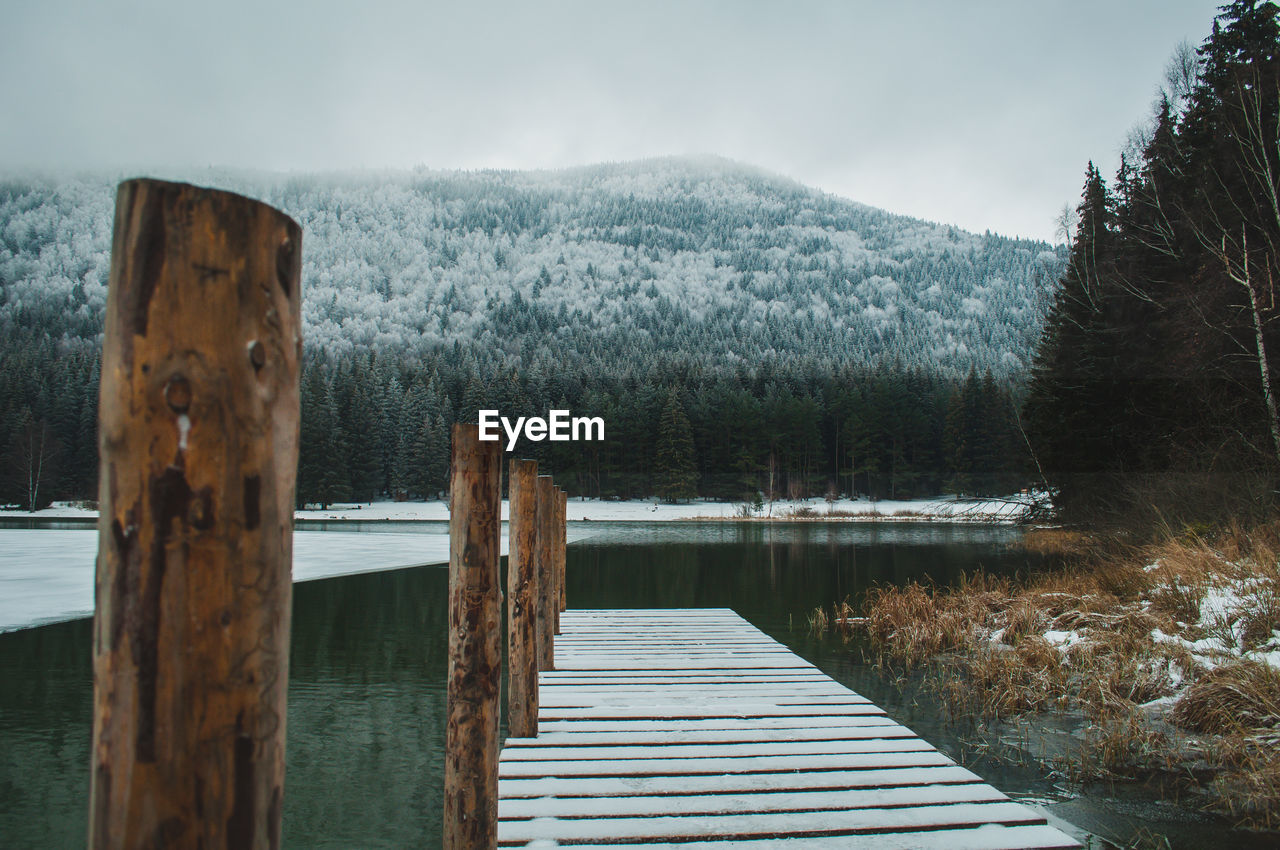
1061 639
47 575
1222 612
1164 702
944 509
58 510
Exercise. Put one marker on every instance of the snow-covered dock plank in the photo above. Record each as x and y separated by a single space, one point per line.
693 729
936 770
881 728
757 802
987 837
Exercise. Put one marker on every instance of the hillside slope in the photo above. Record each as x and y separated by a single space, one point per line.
589 266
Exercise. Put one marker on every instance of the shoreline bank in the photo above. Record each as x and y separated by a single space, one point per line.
950 509
1159 661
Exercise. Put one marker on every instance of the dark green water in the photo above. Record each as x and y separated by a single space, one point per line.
366 691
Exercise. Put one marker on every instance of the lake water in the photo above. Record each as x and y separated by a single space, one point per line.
369 654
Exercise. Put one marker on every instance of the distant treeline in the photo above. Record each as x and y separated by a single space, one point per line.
1153 390
672 430
379 428
738 332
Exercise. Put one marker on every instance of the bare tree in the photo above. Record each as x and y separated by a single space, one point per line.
1181 76
1065 224
1247 203
33 453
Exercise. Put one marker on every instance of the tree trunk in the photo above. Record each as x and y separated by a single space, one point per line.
1264 366
35 462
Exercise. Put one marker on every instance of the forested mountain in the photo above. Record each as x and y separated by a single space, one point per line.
592 264
1154 388
603 289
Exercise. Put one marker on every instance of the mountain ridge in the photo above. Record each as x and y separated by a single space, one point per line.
642 258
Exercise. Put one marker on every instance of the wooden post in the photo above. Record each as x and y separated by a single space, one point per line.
522 601
198 445
546 575
556 590
561 555
475 646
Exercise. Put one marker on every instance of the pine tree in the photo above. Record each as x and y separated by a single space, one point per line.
1069 402
675 469
1229 134
313 427
963 437
437 459
474 399
1153 378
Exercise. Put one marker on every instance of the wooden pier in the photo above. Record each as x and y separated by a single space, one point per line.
691 728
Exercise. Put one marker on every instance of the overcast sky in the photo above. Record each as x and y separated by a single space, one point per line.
977 113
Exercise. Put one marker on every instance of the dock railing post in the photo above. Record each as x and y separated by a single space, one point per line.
546 574
475 642
562 527
198 448
522 601
555 558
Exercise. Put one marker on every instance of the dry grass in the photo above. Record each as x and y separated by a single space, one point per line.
1179 600
1261 617
1000 682
1248 787
847 618
1241 697
847 514
984 641
1022 619
1120 670
1057 542
1122 745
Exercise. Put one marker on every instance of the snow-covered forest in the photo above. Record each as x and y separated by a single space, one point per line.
825 325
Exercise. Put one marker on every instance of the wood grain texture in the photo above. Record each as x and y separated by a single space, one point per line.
198 445
557 591
522 602
475 645
562 525
546 574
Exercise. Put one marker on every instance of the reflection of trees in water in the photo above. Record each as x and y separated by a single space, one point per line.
46 715
392 623
766 580
366 709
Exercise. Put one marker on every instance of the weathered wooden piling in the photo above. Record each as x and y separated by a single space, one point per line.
522 601
198 445
555 559
546 573
475 646
562 525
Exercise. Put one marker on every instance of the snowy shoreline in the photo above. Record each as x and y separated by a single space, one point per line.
46 574
941 510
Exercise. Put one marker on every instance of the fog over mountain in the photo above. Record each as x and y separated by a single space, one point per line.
700 258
